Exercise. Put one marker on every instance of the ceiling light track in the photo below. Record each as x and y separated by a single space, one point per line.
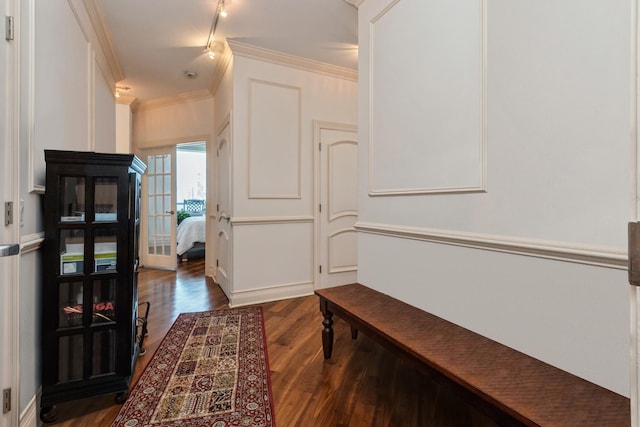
120 89
220 12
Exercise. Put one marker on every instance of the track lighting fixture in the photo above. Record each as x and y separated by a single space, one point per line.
220 12
119 90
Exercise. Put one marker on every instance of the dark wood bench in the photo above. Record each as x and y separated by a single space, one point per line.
509 386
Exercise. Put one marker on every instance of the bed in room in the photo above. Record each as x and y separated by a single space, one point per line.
191 238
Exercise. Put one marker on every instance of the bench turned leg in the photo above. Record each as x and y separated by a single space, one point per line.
327 330
354 333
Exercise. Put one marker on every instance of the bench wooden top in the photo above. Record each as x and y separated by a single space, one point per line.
528 389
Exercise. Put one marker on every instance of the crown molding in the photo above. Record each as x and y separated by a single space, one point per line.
250 51
125 100
223 62
355 3
173 100
103 36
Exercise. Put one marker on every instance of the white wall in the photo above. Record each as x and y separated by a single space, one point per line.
105 116
173 123
273 195
67 103
123 127
528 249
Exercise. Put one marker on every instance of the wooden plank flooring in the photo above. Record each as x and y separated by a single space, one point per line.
362 385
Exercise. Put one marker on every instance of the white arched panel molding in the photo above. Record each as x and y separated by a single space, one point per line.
343 179
343 253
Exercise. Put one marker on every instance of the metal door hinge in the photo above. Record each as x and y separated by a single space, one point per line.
320 207
217 263
8 30
319 146
8 213
634 253
6 400
320 269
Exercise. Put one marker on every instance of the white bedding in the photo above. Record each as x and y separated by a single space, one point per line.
190 231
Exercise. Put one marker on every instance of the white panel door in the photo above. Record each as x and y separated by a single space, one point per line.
159 203
338 175
9 234
223 263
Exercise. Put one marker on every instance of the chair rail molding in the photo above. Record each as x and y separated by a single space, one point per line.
600 256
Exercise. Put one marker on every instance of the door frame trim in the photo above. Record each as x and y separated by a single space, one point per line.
318 127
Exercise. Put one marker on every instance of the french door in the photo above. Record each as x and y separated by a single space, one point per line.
159 208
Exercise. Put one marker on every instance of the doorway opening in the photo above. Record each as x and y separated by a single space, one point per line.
191 199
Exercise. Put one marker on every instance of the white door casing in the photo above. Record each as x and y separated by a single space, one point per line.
634 294
337 197
223 263
159 208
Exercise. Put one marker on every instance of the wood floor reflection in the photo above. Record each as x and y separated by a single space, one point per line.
362 385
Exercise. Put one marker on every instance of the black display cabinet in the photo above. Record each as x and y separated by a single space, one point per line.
90 324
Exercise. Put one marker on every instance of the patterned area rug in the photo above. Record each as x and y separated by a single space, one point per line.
210 370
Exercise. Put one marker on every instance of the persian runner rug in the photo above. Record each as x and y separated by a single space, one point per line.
211 369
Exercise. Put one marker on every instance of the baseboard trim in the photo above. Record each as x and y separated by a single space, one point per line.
561 251
270 293
29 417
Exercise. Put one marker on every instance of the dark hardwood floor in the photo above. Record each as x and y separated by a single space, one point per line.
362 385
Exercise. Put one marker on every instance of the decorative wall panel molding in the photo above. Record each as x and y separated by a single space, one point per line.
274 141
561 251
429 135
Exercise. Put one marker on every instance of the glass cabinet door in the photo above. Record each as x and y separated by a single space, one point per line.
106 199
72 200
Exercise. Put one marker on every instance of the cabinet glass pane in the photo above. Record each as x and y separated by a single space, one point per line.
72 251
104 297
70 358
70 304
72 199
105 250
106 200
104 352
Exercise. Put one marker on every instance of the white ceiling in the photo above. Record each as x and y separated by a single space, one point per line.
156 41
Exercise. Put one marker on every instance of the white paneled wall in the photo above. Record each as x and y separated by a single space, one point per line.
274 141
537 260
273 210
427 116
273 259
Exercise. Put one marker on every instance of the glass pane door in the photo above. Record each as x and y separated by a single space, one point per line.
159 202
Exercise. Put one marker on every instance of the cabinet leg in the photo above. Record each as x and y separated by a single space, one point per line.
122 397
48 414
